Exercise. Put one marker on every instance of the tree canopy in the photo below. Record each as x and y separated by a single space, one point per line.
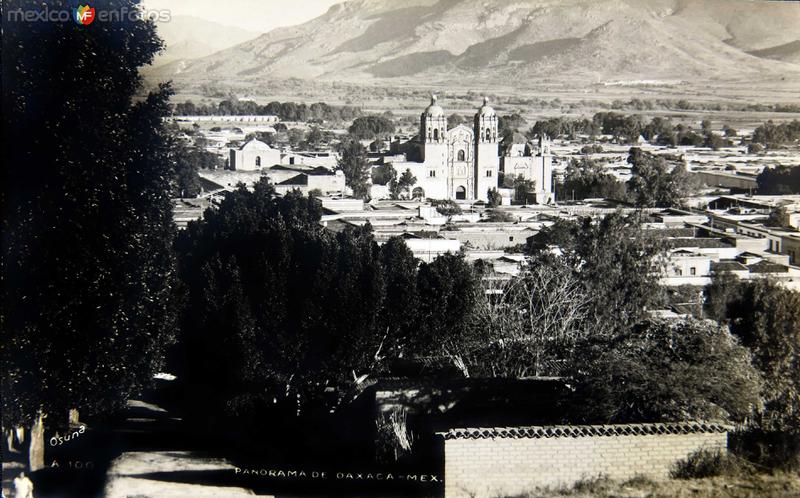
584 178
664 371
300 308
354 164
779 180
654 184
368 127
88 291
615 258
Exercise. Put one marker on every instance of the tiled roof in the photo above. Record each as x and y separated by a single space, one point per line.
767 267
301 179
725 265
560 431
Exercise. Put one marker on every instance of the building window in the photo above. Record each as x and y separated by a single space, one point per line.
511 239
258 161
432 173
461 155
679 272
436 134
693 271
488 173
488 135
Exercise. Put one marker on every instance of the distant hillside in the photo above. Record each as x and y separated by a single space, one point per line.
188 38
514 41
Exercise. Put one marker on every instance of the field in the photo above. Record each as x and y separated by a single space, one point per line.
730 103
772 486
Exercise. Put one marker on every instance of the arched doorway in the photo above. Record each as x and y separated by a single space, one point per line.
461 193
418 193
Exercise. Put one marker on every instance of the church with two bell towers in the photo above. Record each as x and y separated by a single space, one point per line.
460 163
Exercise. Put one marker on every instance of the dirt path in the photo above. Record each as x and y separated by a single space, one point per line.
155 465
151 473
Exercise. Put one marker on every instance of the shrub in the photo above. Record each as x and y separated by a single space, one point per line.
446 207
708 463
496 216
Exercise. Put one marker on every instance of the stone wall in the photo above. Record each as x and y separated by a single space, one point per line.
503 462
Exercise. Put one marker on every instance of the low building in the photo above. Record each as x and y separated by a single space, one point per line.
531 161
252 156
687 267
429 245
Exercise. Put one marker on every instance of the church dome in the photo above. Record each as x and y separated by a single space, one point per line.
434 110
486 109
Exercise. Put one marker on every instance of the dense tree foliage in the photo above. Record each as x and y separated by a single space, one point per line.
584 178
523 188
766 318
660 130
368 127
446 207
618 261
286 111
187 164
448 291
664 370
278 303
509 124
771 134
354 164
88 265
494 198
654 184
779 180
454 120
383 174
286 309
559 127
401 187
623 128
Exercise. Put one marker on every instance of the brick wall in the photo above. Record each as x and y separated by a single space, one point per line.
499 463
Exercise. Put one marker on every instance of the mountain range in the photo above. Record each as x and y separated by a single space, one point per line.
517 41
188 37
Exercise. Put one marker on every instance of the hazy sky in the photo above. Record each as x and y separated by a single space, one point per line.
254 15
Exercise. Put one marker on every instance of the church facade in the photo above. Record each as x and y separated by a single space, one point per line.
459 163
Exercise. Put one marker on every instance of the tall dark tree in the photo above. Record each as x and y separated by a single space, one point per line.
287 308
87 297
447 289
402 298
355 166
